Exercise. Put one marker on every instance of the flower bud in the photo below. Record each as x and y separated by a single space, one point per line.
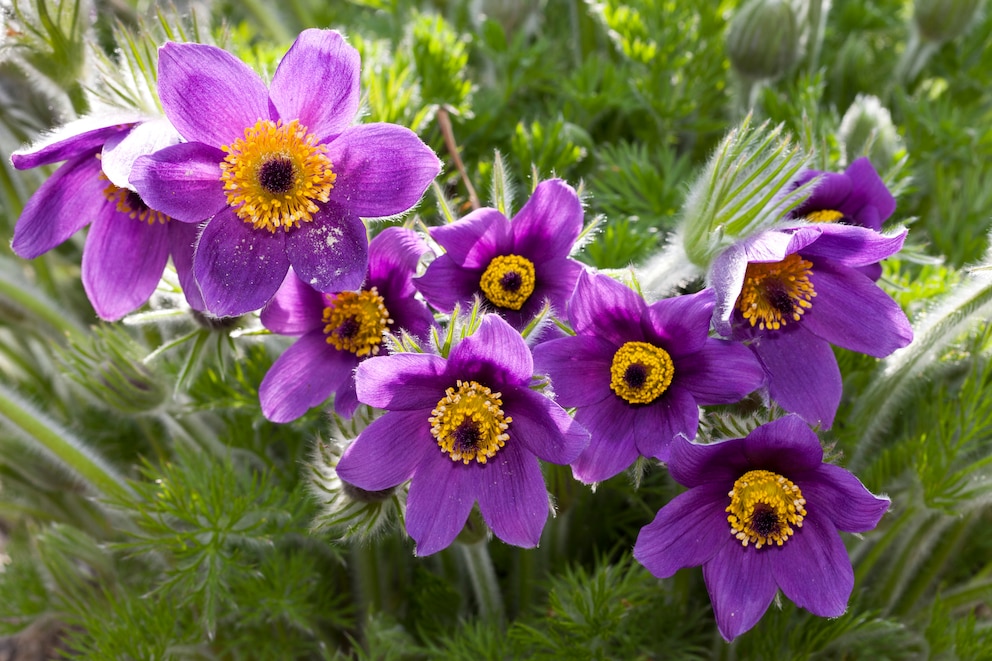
763 39
942 20
867 130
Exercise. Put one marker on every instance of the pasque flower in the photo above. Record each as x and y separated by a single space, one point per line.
128 244
761 513
339 330
791 293
637 373
514 266
464 429
280 172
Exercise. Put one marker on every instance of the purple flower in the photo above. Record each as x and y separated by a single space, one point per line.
339 330
791 293
637 373
513 266
761 513
464 429
279 171
856 197
128 244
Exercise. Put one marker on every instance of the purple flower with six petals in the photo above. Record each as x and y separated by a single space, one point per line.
514 266
791 293
279 171
637 373
761 513
339 330
464 429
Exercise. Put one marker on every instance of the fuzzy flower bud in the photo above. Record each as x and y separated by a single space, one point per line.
763 39
942 20
867 130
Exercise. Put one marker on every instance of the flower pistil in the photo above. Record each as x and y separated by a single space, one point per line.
508 281
764 507
824 216
641 372
356 321
469 423
776 293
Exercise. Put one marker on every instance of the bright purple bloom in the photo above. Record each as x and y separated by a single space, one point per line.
280 172
128 244
340 330
791 293
856 197
637 373
513 266
464 429
761 513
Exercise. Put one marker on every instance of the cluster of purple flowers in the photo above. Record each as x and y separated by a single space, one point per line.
258 194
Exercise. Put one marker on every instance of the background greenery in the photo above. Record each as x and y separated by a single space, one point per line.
149 511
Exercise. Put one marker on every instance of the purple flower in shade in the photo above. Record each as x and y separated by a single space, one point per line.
761 513
340 330
791 293
128 244
513 266
637 373
279 171
856 197
464 429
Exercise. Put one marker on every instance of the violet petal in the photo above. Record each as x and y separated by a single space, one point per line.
330 253
548 224
512 497
813 568
741 587
182 181
295 309
387 452
544 428
403 381
304 376
843 499
440 499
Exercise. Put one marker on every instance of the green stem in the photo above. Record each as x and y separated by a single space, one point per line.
483 577
38 305
59 443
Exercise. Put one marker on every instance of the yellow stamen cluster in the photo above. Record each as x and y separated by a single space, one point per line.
641 372
764 507
130 203
468 422
356 321
824 216
276 174
508 281
776 293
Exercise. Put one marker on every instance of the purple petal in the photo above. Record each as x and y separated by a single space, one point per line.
304 376
673 414
123 260
440 499
741 587
851 245
445 284
544 428
603 307
330 253
85 135
346 400
182 181
832 189
726 277
694 464
317 83
182 238
803 376
579 368
549 223
387 452
403 381
852 312
687 532
496 352
813 568
393 258
473 241
680 324
786 446
612 446
65 203
295 309
869 194
512 498
556 280
238 268
123 149
209 95
720 372
382 169
842 499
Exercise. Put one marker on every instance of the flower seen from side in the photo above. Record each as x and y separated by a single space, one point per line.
514 266
341 329
636 374
279 171
761 514
129 243
464 429
791 293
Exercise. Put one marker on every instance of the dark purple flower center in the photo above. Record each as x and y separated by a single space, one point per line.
348 329
764 520
467 435
511 281
636 375
134 201
778 298
277 175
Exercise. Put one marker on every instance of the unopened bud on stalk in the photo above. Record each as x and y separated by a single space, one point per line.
867 130
763 39
942 20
